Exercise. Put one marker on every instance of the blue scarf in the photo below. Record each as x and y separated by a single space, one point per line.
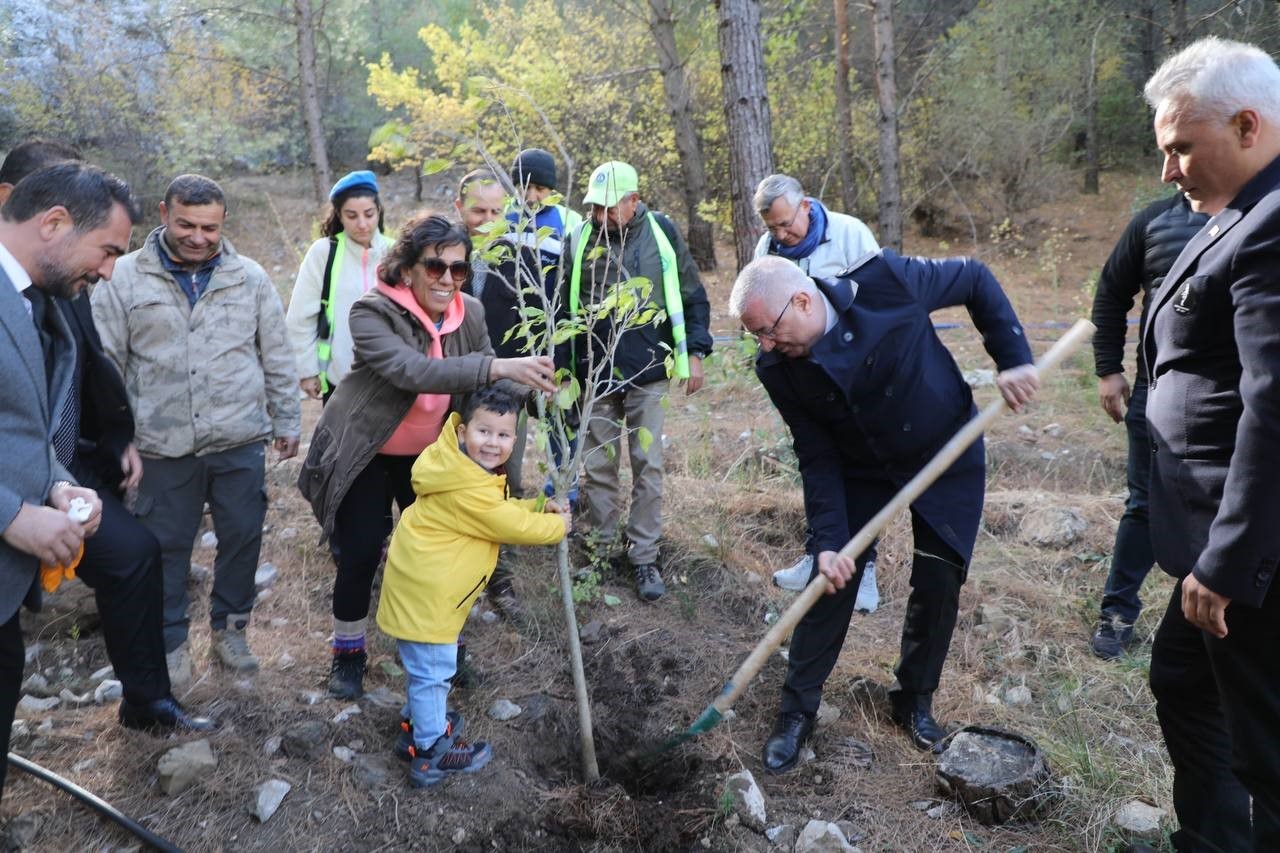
813 237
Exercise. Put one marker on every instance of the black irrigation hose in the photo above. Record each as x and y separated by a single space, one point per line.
94 802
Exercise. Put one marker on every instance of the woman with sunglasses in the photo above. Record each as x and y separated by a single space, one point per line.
417 340
338 269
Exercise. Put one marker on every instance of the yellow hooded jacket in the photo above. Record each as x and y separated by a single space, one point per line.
446 544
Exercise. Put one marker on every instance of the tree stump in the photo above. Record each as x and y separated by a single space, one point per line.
996 775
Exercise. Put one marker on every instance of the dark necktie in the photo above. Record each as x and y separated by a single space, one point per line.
38 305
67 433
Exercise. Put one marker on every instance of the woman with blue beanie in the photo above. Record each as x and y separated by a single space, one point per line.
338 269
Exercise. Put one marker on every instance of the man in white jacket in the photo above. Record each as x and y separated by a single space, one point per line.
823 243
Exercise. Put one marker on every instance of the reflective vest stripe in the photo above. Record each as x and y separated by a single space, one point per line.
670 288
324 346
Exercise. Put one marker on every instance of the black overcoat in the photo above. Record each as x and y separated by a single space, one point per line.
880 394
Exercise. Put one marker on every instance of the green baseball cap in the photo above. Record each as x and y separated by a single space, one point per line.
610 182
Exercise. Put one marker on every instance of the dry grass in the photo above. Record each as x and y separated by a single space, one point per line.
734 514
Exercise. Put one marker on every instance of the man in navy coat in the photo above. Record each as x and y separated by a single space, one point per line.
870 394
1212 347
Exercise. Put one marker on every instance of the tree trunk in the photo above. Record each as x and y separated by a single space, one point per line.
1091 119
887 98
675 87
1147 37
746 111
304 21
844 107
1177 25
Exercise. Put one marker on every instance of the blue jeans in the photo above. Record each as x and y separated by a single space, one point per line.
1133 555
428 666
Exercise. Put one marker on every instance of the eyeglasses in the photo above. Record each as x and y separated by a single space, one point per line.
773 330
436 267
783 226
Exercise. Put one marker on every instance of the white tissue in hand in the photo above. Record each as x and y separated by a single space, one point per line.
79 510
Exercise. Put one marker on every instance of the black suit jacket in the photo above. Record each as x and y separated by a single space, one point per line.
1212 344
106 421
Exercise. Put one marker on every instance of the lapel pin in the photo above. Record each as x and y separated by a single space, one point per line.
1213 232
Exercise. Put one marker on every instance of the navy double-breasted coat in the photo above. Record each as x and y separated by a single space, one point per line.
879 395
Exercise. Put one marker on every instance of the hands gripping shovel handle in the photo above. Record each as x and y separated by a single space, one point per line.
707 720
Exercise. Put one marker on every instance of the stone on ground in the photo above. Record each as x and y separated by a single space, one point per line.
267 798
827 713
1139 819
265 576
307 740
748 800
1052 527
820 836
32 705
370 770
183 766
108 691
783 835
504 709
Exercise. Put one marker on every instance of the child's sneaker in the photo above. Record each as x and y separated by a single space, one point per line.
447 758
453 726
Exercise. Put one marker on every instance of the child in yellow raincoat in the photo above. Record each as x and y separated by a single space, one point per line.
441 557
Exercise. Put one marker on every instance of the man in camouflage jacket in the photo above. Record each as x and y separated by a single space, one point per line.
198 333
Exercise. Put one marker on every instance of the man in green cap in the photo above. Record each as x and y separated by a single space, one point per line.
621 240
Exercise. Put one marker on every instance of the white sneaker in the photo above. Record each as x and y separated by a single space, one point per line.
178 662
868 595
795 578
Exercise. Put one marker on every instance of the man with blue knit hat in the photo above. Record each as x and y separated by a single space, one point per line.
824 244
623 240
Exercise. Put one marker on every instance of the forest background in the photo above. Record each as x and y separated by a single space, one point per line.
1009 129
955 115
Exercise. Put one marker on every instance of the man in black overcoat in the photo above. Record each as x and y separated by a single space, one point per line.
1212 348
870 394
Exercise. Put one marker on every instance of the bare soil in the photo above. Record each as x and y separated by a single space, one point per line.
733 515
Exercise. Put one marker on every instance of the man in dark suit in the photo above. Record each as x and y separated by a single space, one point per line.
1212 346
93 439
871 394
60 231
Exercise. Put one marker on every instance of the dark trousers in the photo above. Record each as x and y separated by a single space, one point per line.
937 573
173 495
121 564
11 662
1218 702
1133 555
361 527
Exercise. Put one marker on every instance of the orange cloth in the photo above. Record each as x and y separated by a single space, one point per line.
51 577
422 425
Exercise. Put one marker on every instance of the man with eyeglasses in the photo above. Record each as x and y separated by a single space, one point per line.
822 243
198 333
870 394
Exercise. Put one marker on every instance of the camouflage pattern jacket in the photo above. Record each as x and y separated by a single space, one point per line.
203 378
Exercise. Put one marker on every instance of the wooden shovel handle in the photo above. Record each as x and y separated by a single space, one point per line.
1075 336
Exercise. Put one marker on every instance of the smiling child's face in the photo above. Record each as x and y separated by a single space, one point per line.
488 437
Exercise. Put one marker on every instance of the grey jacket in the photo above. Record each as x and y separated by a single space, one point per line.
206 378
390 370
27 418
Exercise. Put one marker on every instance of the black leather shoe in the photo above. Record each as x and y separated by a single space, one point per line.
782 749
912 712
163 713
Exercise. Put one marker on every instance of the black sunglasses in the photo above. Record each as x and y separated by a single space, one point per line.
435 267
